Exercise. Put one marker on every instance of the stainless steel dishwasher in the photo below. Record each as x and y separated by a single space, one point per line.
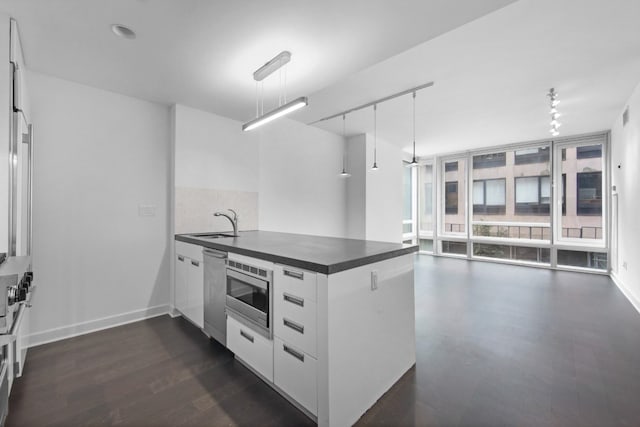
215 290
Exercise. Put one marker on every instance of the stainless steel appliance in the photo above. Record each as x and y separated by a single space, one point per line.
16 291
249 295
215 280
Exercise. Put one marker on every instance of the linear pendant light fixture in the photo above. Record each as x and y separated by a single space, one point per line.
275 64
375 138
274 114
344 173
414 162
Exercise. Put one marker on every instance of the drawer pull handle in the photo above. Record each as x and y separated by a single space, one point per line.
180 258
293 300
295 274
246 335
296 354
195 263
293 325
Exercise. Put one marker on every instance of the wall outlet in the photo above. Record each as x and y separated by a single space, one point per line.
624 265
146 210
374 280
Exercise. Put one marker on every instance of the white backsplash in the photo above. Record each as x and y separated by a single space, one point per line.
195 207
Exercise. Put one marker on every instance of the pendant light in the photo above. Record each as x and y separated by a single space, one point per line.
344 173
375 139
414 162
553 111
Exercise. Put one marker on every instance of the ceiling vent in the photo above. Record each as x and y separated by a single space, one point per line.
625 116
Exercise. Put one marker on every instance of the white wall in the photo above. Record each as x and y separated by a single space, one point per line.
356 165
216 168
625 151
384 193
300 190
374 198
98 156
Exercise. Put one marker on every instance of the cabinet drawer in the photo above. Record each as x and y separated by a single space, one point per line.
295 281
248 345
295 323
295 373
189 250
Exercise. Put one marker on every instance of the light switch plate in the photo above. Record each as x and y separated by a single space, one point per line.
374 280
146 210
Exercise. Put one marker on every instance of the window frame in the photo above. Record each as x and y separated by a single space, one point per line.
539 205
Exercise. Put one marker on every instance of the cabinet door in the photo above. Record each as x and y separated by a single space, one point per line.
180 290
196 292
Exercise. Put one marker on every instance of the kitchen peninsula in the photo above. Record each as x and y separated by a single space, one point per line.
342 317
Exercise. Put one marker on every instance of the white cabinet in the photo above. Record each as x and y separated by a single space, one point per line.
295 372
195 292
250 347
295 330
180 291
189 283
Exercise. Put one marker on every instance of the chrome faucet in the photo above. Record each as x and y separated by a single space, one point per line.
233 219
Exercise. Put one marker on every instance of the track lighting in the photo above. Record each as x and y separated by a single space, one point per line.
553 111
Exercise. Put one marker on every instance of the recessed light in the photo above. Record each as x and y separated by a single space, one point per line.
123 31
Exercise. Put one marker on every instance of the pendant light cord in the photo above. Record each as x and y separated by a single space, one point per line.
375 135
344 136
414 128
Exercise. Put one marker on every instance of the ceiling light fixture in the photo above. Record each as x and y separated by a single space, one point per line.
284 107
414 162
375 139
123 31
553 111
344 173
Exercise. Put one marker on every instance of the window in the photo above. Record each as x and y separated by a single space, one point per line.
453 193
492 160
408 203
451 197
589 152
583 189
455 248
564 194
489 196
425 177
531 155
584 259
518 253
533 195
589 193
451 166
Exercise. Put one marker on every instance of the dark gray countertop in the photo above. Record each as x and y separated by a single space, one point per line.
325 255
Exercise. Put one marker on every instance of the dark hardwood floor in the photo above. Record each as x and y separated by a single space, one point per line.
497 345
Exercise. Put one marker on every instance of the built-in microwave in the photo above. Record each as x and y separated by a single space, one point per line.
249 295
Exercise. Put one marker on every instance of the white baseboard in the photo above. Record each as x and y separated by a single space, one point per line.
626 292
57 334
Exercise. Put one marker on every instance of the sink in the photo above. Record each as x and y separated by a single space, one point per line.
212 235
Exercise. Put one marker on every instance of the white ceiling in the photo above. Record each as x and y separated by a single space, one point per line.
492 75
492 62
202 53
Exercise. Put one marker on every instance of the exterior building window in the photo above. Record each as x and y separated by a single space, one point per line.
489 196
451 197
564 194
489 160
589 151
532 155
451 166
589 186
533 195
